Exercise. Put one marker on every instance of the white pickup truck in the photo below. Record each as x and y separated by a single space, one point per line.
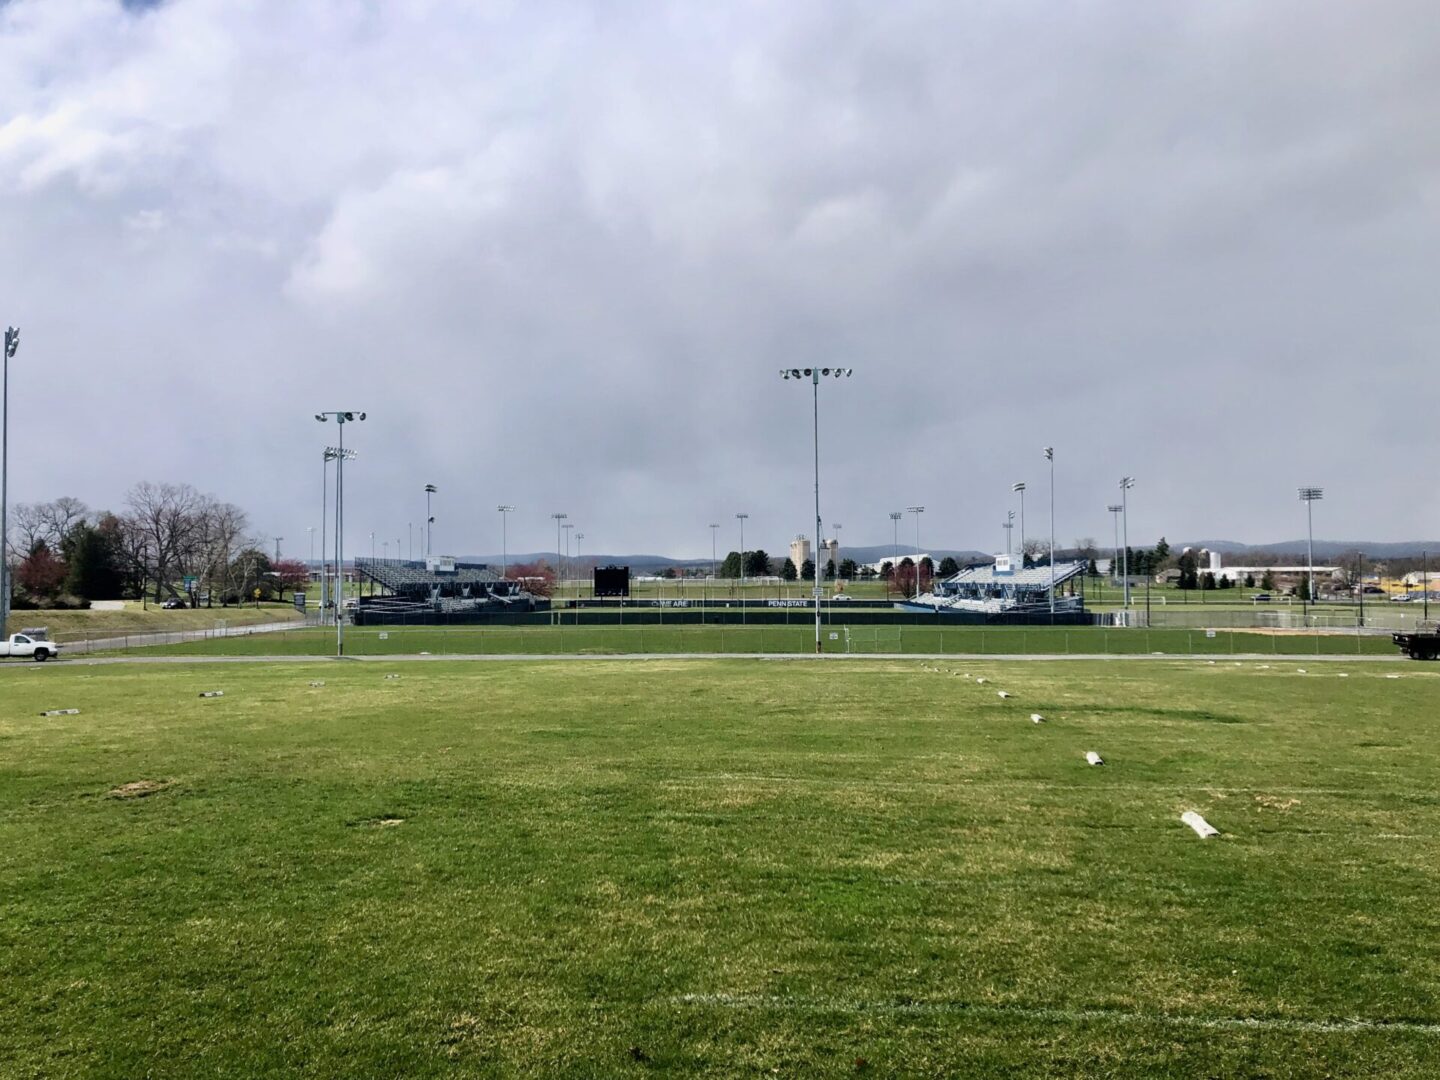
31 643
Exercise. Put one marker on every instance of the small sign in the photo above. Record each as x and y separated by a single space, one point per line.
1209 633
384 636
834 635
190 582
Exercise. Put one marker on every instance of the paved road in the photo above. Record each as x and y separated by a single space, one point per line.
1227 660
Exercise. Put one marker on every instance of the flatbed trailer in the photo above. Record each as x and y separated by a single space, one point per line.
1422 643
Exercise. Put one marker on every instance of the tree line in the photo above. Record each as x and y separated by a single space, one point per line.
169 540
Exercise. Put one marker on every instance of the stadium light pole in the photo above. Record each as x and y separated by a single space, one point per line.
329 456
1009 526
1019 489
713 526
341 418
311 530
814 374
559 566
430 489
504 509
835 531
895 516
1114 509
12 345
1126 483
741 518
1050 457
1309 496
410 527
567 527
917 511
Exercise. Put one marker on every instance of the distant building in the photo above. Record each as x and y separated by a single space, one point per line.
799 550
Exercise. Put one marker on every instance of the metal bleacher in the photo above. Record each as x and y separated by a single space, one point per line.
413 592
414 580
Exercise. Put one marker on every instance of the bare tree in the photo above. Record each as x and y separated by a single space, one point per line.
169 524
27 527
60 517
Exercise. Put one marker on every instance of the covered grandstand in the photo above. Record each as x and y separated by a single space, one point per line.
1002 587
438 589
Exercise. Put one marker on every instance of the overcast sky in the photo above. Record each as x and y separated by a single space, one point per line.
558 252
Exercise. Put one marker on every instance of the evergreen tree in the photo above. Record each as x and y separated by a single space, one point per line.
1188 576
948 566
1267 581
94 570
757 563
1249 581
807 570
848 569
788 571
730 568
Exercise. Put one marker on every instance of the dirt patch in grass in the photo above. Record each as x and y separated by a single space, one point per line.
138 789
376 823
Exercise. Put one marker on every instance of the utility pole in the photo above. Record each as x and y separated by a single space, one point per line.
12 344
1126 483
430 489
1050 457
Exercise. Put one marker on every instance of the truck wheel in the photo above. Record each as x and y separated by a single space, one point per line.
41 655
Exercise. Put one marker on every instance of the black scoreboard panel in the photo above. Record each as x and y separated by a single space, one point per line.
612 581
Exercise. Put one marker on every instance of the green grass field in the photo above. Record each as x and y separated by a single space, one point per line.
134 619
794 638
719 868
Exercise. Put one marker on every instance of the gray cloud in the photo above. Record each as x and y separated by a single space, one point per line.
558 252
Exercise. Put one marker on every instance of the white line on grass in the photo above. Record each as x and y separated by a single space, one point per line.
775 1003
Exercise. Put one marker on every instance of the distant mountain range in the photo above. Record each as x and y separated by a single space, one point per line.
1231 549
661 562
1328 549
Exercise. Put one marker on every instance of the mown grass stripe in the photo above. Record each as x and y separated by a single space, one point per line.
1050 1014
